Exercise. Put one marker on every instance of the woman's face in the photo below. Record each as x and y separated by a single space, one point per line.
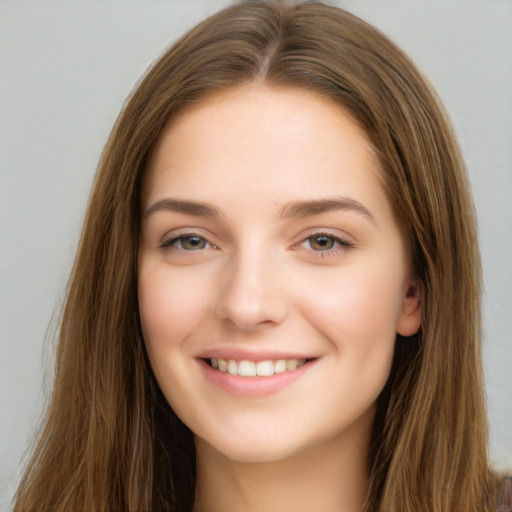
272 276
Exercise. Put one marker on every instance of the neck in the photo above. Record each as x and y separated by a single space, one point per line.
331 477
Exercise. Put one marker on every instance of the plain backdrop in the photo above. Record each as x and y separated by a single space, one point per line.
66 68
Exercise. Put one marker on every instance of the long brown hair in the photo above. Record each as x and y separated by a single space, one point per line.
110 440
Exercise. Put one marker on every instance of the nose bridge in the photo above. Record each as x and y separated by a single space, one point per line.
252 295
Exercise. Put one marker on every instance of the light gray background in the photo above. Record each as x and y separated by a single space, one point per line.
66 68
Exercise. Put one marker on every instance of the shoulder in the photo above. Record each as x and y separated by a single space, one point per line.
504 497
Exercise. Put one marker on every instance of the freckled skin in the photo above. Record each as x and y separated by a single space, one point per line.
261 281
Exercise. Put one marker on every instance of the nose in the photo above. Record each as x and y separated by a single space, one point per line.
252 296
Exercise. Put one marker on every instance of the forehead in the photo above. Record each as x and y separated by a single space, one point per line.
253 153
261 146
256 126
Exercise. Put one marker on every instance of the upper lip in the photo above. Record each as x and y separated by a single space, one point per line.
241 354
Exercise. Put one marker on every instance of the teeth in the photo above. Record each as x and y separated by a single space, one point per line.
280 366
232 367
265 368
291 364
246 368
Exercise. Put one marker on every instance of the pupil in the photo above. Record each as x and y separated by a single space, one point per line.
193 242
322 242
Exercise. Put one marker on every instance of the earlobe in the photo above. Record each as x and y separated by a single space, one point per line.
409 319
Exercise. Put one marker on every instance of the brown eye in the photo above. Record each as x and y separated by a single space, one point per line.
192 243
321 242
187 243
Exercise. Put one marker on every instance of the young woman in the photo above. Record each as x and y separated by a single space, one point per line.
276 300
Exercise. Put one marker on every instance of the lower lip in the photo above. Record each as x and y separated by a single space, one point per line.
253 386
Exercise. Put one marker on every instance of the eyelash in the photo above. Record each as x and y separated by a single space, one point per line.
338 244
173 242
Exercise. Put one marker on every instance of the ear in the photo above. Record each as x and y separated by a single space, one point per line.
409 318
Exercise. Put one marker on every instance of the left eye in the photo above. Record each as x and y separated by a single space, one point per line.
188 243
322 242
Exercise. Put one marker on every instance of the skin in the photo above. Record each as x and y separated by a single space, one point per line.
262 276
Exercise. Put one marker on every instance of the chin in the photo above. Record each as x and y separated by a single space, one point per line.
257 454
252 449
257 448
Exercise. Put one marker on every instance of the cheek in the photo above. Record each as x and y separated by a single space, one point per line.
363 299
357 309
169 308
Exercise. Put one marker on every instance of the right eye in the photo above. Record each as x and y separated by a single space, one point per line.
187 242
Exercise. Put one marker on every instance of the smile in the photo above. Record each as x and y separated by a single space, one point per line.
247 377
245 368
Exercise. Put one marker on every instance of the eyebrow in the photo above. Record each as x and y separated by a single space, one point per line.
195 208
296 209
318 206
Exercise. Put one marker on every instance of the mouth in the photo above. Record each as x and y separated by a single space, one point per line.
247 377
246 368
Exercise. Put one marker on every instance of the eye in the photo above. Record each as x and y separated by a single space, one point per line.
321 242
186 242
324 242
